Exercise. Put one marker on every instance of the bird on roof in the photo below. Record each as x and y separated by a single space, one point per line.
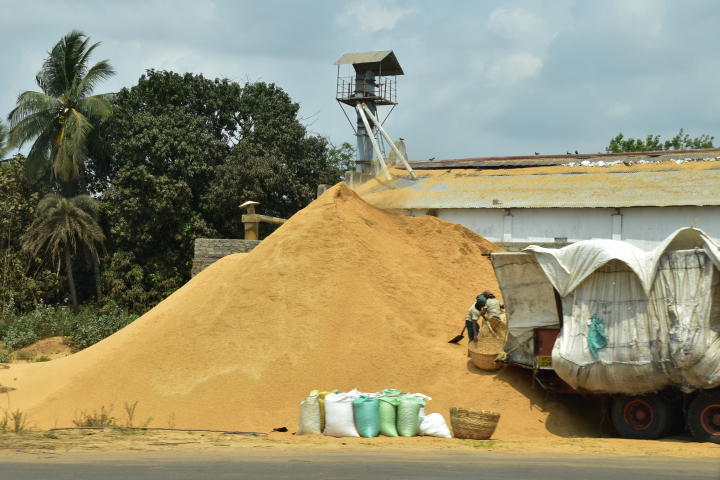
536 153
402 139
568 153
576 153
431 159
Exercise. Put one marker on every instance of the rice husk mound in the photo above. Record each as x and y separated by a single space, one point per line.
342 296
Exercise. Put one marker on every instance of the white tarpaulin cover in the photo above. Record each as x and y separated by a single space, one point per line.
660 311
529 300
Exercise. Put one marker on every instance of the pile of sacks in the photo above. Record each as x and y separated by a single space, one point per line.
353 414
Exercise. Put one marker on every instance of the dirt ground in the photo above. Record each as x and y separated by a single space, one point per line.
52 348
110 440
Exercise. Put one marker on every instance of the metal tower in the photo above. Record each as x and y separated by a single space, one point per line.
373 85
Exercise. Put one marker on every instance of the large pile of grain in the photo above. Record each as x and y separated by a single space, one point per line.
343 296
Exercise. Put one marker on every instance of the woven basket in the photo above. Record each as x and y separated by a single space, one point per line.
484 352
493 328
474 424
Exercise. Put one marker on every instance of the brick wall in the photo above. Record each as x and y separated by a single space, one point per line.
210 250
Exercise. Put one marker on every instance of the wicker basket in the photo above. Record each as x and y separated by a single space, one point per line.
484 352
474 424
493 328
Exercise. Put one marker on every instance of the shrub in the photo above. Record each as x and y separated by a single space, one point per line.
83 329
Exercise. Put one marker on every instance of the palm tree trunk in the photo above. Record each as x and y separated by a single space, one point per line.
96 271
71 282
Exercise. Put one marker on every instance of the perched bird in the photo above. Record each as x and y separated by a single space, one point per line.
576 153
568 153
431 159
536 153
402 139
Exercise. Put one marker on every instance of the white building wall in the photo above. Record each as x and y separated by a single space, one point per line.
644 227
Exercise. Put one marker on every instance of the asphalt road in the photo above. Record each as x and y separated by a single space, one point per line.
396 466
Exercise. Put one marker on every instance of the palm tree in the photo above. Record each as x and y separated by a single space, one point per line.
60 226
4 147
59 119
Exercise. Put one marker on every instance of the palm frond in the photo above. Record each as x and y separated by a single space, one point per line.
70 150
29 103
95 108
4 136
99 72
37 161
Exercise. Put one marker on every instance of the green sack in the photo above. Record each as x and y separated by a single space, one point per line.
391 391
596 337
367 416
407 416
388 415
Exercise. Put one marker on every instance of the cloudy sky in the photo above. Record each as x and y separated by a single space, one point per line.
482 78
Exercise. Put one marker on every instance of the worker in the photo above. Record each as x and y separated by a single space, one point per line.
476 311
493 305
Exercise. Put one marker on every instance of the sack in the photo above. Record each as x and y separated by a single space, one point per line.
434 425
321 399
339 418
367 416
407 416
309 422
388 414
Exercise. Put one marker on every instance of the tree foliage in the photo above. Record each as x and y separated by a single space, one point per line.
22 279
62 225
58 120
681 141
183 152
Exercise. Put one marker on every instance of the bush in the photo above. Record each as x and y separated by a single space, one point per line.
91 330
84 329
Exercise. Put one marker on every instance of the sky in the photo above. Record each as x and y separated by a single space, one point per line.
482 78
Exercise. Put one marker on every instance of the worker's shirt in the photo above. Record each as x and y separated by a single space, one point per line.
493 307
473 314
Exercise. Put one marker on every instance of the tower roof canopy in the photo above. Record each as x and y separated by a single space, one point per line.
381 63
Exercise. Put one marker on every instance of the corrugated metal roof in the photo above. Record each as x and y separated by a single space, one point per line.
663 184
381 63
542 160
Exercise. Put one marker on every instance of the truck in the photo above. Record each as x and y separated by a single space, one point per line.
639 329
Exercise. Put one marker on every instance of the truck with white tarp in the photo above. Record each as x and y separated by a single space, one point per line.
602 317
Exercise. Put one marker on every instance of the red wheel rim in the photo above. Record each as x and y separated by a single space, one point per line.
638 414
710 419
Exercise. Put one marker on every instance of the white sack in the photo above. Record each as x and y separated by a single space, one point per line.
434 426
339 417
309 416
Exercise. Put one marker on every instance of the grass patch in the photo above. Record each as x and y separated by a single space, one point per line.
13 421
484 444
25 356
95 418
6 357
42 358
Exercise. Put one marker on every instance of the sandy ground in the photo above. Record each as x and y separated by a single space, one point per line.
57 443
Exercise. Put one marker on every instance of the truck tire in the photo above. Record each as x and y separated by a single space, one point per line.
703 417
642 417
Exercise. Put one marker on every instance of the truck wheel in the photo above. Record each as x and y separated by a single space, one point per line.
645 417
703 417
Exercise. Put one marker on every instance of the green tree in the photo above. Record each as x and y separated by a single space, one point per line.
22 280
60 226
277 162
681 141
59 119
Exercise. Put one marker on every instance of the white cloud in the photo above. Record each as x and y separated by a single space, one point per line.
514 69
522 28
618 110
374 15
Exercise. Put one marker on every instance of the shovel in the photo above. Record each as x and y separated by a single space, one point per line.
459 337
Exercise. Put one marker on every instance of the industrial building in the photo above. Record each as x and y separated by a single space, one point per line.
640 198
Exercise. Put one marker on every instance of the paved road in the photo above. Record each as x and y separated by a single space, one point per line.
397 466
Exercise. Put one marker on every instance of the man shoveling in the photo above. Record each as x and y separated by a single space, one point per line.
476 311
